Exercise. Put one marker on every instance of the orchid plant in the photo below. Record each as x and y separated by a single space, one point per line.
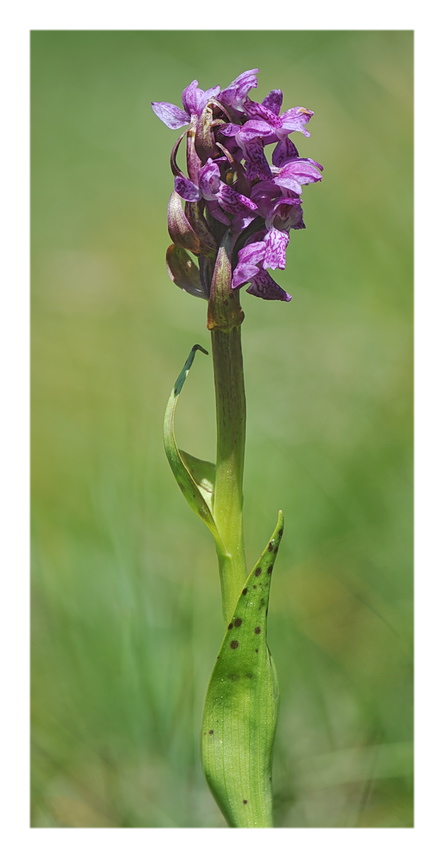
233 210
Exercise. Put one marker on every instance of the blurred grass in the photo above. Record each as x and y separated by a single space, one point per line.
126 608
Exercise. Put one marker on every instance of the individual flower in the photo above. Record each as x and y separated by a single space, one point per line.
210 187
253 258
194 100
264 123
294 119
293 174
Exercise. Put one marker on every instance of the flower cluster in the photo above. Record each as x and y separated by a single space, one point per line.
231 188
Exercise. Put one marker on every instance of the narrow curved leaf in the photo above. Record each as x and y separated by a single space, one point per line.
203 474
241 705
195 477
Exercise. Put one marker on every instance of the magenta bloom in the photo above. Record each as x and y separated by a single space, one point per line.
232 189
193 100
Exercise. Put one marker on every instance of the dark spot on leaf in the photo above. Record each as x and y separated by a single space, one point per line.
269 570
211 732
238 622
257 630
281 531
235 644
249 675
245 801
256 650
276 548
245 591
230 626
258 571
270 546
254 586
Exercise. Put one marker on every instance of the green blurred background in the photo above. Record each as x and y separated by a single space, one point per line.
126 608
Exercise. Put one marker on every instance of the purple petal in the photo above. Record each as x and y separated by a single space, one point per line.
190 97
209 180
290 183
171 115
273 101
244 272
310 161
259 111
264 195
212 92
252 253
267 190
296 119
284 151
229 130
253 128
233 202
263 286
186 189
304 168
216 212
256 164
286 214
194 99
275 245
296 173
240 222
237 90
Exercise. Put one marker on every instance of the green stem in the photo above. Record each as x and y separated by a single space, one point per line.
241 705
228 491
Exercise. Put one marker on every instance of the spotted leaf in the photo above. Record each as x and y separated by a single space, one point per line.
241 705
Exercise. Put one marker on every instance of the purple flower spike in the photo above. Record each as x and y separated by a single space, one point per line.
242 199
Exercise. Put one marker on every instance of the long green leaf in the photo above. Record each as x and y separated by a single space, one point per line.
195 477
241 705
